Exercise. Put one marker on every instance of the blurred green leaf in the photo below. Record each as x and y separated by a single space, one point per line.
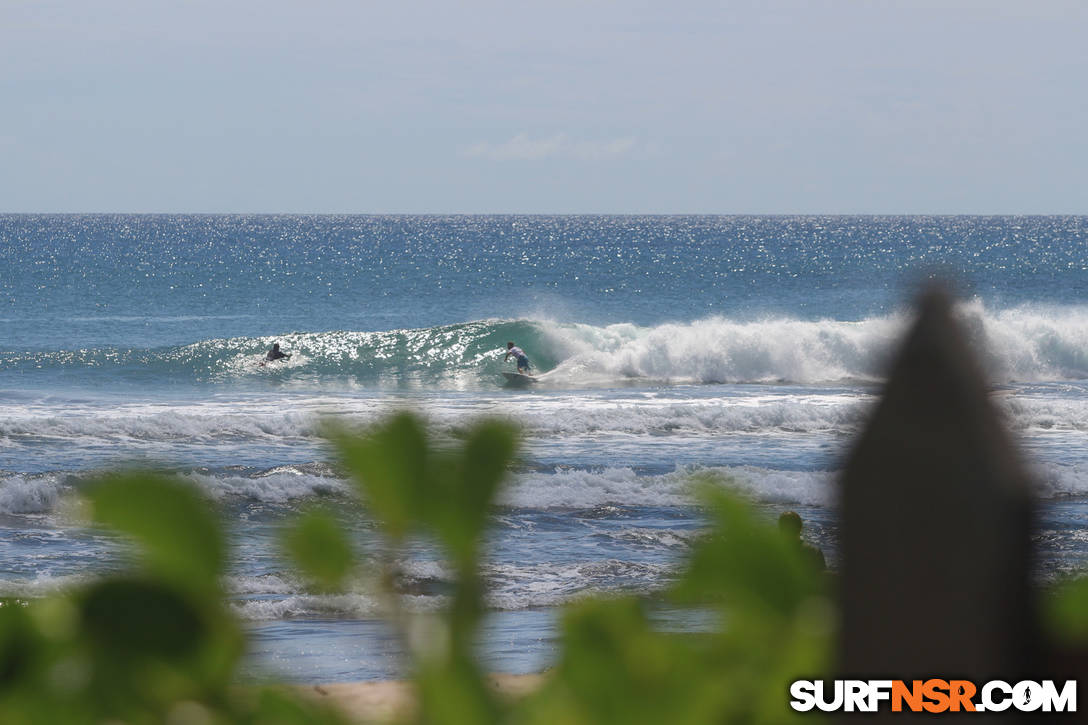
453 692
1065 611
21 646
178 533
153 645
390 464
744 563
413 486
131 618
772 626
275 706
320 548
616 668
160 644
467 488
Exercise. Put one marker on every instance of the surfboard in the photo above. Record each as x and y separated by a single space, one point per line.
519 378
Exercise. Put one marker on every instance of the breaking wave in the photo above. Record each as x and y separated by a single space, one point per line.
1023 344
561 487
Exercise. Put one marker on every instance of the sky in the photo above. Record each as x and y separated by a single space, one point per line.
564 106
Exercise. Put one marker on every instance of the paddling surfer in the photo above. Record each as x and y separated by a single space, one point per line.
275 353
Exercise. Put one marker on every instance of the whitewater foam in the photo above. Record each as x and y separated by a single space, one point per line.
584 489
565 488
298 423
719 350
43 584
1030 342
1059 480
24 494
293 422
280 485
508 587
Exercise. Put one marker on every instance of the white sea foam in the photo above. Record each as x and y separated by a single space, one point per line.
717 415
44 584
509 587
721 350
559 488
263 584
1026 343
307 605
41 493
122 424
185 423
582 489
1031 342
280 485
538 416
1059 479
1027 412
22 494
576 488
563 488
513 587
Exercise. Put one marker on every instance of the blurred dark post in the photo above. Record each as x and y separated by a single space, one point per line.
936 525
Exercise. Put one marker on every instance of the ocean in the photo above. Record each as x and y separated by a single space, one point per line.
747 347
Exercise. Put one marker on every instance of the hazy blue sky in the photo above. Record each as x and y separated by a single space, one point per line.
551 107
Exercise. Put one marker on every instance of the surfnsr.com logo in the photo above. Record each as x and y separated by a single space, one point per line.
933 696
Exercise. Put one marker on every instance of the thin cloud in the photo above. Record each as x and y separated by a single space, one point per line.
604 149
522 147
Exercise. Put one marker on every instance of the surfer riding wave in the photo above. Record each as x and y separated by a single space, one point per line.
524 366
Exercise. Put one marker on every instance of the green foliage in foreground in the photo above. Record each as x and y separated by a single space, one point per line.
155 644
616 665
158 643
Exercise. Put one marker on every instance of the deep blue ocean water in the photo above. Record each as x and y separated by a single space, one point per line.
750 347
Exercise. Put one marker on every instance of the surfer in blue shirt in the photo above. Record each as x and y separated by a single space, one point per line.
275 353
519 355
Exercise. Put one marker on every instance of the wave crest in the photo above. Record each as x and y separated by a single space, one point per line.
1022 344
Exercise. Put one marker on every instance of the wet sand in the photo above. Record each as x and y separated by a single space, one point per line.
393 699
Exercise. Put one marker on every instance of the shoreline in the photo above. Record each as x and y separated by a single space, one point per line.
387 700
